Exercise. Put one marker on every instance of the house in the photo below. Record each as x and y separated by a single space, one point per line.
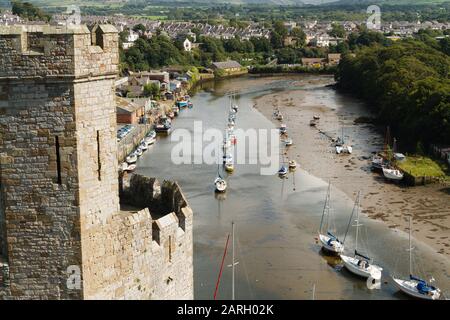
227 66
187 45
136 85
334 58
322 40
129 112
313 62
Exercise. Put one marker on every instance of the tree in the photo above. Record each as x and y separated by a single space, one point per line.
139 28
299 36
28 11
152 90
337 31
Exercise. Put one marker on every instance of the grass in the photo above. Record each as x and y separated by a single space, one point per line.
421 166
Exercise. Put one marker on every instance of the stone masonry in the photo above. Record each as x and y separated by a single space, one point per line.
63 234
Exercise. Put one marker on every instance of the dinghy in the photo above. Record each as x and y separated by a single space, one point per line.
288 142
312 123
415 286
149 140
280 117
392 174
229 166
220 184
132 158
359 264
138 152
316 117
283 171
283 128
143 146
329 241
292 164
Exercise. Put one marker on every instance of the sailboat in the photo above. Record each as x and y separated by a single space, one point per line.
392 174
414 286
359 263
341 147
219 182
329 241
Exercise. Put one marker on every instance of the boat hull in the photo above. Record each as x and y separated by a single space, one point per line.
392 174
409 287
335 247
351 264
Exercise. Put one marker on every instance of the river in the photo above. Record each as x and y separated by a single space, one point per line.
276 219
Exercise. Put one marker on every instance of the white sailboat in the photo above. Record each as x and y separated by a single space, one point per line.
360 264
329 241
392 174
415 286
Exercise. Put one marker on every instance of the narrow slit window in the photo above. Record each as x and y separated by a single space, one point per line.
99 163
170 248
58 160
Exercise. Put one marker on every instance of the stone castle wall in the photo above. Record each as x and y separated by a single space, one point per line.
142 253
59 203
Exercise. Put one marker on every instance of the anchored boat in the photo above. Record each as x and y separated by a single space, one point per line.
359 264
415 286
329 241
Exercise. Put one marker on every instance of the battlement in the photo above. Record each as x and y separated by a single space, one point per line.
38 51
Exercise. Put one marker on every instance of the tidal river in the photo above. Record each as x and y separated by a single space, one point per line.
276 220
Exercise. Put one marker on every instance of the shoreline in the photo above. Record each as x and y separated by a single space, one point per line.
382 200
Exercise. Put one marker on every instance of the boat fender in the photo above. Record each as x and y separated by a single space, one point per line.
374 280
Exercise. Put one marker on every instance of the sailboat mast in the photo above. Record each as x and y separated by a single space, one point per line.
325 206
410 247
357 221
232 261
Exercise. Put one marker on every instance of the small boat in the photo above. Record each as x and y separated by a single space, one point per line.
292 164
235 107
231 125
221 184
392 174
312 123
175 110
130 168
283 171
132 158
190 105
280 117
182 104
378 162
143 146
163 127
329 241
316 117
229 167
138 152
344 149
415 286
151 134
360 264
187 97
232 111
149 140
283 128
288 142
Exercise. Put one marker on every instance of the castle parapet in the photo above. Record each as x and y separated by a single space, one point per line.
43 51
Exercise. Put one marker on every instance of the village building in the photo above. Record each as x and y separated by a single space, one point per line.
129 112
229 66
313 62
334 58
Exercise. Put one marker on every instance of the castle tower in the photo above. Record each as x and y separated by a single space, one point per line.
58 155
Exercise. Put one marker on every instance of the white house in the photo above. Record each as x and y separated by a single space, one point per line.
187 45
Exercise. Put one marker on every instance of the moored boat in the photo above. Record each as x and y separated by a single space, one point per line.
392 174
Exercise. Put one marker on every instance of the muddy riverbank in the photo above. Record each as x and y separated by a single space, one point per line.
382 200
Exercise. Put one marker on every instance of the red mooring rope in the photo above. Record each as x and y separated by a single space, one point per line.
221 267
